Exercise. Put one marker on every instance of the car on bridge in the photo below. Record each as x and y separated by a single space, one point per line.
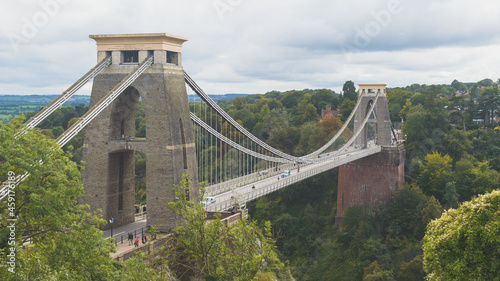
285 173
208 201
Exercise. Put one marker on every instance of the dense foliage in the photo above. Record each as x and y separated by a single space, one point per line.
58 239
464 244
288 121
214 251
65 240
451 157
453 148
375 243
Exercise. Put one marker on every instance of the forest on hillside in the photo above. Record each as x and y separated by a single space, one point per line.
453 148
452 144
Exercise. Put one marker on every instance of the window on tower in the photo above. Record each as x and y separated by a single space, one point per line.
130 56
173 57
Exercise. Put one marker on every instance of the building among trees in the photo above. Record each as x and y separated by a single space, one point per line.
329 113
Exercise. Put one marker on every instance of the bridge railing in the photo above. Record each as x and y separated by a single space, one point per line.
245 180
304 174
124 236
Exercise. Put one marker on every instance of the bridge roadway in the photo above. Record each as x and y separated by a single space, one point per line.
252 191
243 194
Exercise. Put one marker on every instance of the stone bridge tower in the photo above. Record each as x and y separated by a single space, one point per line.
373 179
380 117
110 143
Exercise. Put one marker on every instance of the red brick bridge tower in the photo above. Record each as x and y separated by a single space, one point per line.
373 179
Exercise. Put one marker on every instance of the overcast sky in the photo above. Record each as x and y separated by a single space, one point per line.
255 46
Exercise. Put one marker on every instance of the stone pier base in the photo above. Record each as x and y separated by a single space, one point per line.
371 180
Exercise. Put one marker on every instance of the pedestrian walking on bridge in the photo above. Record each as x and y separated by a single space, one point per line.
130 238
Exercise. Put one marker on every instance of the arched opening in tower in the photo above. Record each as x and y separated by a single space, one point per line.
140 182
121 186
124 117
140 121
127 166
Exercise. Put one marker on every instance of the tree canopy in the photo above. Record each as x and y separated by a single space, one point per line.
464 244
65 239
349 91
214 251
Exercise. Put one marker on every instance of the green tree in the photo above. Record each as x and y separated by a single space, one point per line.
373 272
346 108
461 110
349 91
291 99
310 114
451 195
66 242
397 100
67 117
81 109
412 270
431 210
436 172
321 98
72 121
140 178
457 144
47 133
214 251
459 86
406 212
474 177
309 139
464 243
285 139
57 131
239 103
489 101
426 123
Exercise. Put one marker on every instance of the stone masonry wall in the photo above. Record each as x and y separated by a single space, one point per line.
371 180
163 92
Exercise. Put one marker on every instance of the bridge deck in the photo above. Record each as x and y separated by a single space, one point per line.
259 188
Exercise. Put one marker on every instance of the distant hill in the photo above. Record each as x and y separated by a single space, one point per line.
39 100
12 105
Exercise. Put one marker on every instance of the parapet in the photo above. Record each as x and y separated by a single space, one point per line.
133 48
365 89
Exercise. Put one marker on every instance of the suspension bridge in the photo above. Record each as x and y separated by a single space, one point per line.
201 140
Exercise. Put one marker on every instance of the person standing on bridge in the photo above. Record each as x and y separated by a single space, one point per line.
130 238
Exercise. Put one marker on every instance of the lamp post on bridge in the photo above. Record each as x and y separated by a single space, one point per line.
111 221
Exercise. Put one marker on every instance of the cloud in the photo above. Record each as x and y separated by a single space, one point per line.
243 46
